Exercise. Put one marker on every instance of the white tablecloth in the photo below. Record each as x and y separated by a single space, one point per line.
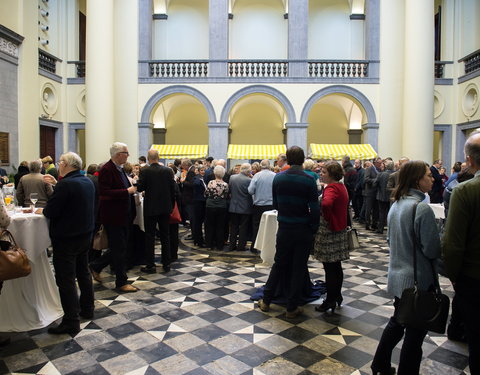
139 218
438 210
30 302
267 236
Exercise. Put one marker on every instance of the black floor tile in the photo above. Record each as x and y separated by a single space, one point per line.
297 334
108 350
303 356
204 354
124 330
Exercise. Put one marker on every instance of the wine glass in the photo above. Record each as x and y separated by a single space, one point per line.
33 199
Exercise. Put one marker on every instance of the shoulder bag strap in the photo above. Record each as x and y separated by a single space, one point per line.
414 245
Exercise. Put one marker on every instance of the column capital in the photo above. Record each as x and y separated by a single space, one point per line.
370 125
298 125
146 125
212 125
354 131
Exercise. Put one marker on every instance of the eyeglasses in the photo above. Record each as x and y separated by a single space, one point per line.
124 152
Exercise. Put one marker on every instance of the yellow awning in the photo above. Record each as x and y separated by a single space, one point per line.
255 151
337 152
181 151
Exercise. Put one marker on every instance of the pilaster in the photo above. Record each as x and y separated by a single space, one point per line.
218 139
298 38
297 134
145 137
218 49
370 134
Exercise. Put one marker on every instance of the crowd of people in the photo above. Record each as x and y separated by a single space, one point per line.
223 208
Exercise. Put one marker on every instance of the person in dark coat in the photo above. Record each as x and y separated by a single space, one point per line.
22 171
350 177
116 212
159 187
437 188
71 234
199 187
383 195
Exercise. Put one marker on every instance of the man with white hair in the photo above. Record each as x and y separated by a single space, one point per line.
240 207
116 212
72 219
261 189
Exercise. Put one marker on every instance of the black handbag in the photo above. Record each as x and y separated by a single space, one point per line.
420 309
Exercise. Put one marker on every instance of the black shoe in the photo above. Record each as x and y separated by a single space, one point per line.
64 328
254 251
86 314
327 305
339 301
149 269
4 341
188 238
367 227
456 333
166 268
392 371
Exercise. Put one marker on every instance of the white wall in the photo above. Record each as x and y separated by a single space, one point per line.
329 30
470 27
184 35
258 30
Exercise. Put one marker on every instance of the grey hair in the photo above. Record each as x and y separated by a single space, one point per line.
472 147
116 148
72 160
219 171
35 166
245 168
265 164
389 165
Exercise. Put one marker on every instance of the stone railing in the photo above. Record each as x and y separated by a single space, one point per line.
257 68
178 69
79 68
47 61
338 69
472 62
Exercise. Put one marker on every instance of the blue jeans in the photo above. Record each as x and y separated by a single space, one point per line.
411 353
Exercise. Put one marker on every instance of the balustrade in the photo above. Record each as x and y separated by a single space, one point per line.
178 69
338 69
472 62
47 62
245 68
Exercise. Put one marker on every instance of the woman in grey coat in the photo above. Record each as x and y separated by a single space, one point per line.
415 179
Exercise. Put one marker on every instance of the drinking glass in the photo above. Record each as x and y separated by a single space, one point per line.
33 199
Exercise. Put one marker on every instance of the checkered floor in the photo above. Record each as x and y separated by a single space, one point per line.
198 319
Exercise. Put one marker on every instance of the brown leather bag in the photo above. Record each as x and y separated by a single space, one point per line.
13 260
100 239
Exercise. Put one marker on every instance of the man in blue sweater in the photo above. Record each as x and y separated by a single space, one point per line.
295 198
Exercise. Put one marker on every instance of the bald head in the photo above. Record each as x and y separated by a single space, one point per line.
472 151
152 156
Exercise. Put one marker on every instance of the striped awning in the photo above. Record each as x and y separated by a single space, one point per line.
337 152
255 151
181 151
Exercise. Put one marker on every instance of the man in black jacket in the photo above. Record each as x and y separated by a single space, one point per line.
159 186
71 213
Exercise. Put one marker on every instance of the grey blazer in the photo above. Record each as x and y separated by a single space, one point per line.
241 201
400 238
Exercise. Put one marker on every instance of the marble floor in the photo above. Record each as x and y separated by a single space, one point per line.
199 319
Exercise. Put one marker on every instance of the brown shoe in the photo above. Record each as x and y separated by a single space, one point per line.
262 305
96 276
293 314
127 288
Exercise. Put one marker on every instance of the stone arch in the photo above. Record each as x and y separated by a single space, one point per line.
359 97
177 89
258 89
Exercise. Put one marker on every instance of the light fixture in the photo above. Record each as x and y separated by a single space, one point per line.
43 42
43 12
43 27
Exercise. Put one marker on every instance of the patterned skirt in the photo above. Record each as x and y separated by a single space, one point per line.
330 246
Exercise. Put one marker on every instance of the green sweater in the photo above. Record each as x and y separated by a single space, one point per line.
461 242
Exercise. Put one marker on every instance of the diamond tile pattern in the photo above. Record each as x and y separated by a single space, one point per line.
199 319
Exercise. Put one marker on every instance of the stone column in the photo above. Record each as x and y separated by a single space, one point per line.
126 74
145 138
419 80
145 25
392 72
298 38
297 135
99 84
218 49
370 135
218 139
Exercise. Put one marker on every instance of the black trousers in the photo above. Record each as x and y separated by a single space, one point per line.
467 292
70 260
333 280
197 221
294 242
151 223
116 254
371 211
239 224
257 212
215 227
383 208
411 353
173 234
357 203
